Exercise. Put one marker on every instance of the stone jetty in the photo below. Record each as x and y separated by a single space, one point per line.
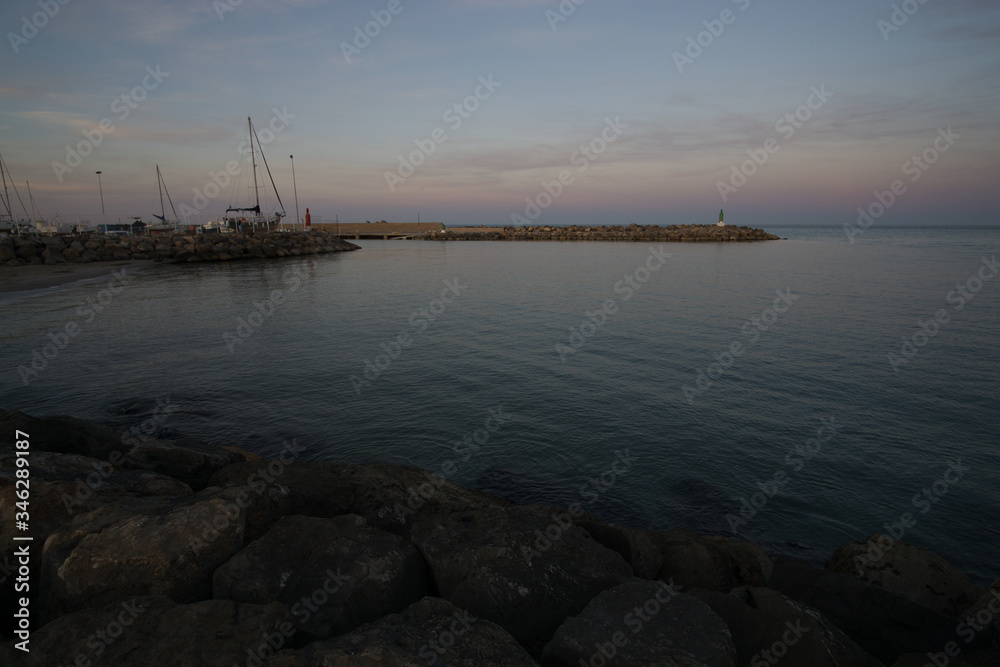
674 233
93 247
153 552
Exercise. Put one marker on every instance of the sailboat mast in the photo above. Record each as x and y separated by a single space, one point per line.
159 184
31 202
6 193
253 161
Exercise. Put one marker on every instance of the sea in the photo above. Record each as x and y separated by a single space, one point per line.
801 394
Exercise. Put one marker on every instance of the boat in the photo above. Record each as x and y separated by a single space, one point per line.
243 221
163 226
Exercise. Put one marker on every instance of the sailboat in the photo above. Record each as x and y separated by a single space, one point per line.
242 221
7 221
163 226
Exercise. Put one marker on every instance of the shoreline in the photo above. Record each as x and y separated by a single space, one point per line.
35 277
196 540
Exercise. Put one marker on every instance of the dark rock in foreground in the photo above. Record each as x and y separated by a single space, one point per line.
883 622
768 627
322 559
155 631
429 632
642 623
524 568
169 547
333 574
917 574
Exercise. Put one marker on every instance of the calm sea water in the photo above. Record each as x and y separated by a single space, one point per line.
168 337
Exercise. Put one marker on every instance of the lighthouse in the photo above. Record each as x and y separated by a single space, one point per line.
721 223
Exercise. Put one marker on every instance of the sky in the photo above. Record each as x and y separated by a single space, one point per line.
501 112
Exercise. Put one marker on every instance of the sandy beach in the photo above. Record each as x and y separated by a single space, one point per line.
32 277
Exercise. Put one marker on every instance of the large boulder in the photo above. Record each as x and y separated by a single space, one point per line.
768 627
64 485
638 547
884 623
164 546
525 568
983 618
642 622
154 630
63 434
917 574
431 631
715 563
957 658
190 460
333 574
389 497
53 256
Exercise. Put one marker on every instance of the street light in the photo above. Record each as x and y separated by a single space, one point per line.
292 158
104 217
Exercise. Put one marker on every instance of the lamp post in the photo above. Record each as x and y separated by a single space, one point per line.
104 218
292 158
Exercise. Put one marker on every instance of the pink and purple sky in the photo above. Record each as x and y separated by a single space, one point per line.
682 114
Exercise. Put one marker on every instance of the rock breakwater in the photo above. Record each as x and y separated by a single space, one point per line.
90 247
155 552
675 233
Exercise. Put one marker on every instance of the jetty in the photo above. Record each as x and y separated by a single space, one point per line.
634 232
436 231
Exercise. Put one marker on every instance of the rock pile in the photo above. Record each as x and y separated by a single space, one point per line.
684 233
151 552
93 247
